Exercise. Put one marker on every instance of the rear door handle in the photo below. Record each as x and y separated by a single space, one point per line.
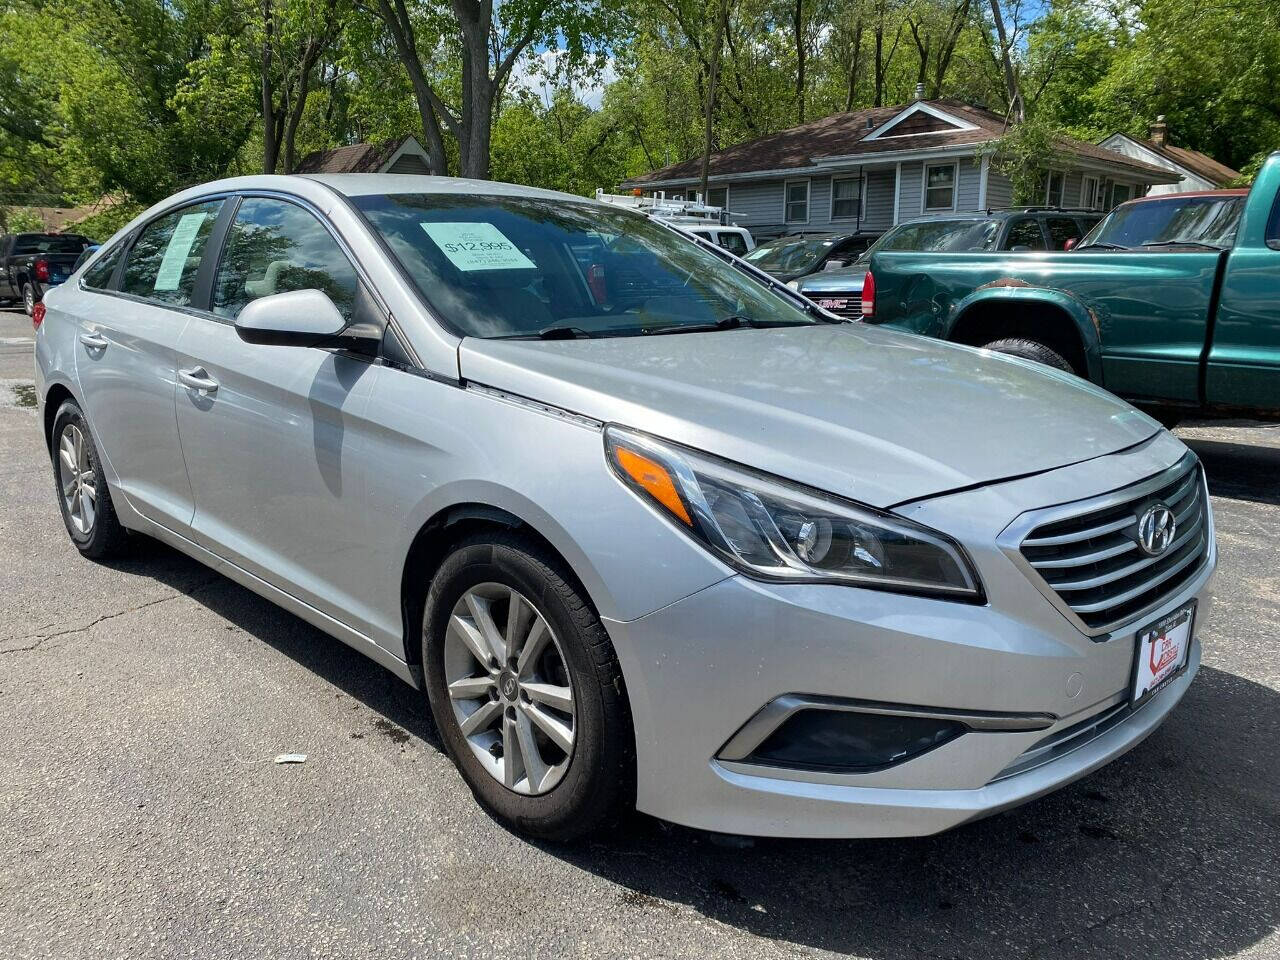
197 378
93 341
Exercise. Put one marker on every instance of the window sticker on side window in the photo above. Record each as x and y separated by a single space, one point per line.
477 246
175 255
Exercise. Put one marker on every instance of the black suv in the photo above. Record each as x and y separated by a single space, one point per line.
1019 229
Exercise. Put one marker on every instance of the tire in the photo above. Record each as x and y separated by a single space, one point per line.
96 530
1030 350
595 780
28 298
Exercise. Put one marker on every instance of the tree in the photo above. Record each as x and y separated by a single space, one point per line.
487 42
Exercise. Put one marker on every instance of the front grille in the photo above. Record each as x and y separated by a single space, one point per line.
1092 560
847 305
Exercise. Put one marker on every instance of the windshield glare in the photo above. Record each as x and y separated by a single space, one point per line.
790 254
1208 220
937 236
519 266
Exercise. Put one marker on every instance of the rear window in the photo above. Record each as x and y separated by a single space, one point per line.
1211 220
791 254
49 243
939 236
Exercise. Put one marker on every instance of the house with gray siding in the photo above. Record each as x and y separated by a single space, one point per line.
866 170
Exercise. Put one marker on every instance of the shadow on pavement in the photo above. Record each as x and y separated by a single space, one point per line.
1170 851
1241 471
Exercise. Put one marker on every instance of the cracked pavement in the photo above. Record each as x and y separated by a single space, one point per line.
141 815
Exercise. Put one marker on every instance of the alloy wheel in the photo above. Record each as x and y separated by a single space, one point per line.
510 688
76 477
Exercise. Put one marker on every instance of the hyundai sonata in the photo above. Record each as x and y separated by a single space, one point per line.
646 527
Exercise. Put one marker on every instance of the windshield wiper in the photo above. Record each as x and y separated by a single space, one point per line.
1184 243
1103 244
731 322
563 333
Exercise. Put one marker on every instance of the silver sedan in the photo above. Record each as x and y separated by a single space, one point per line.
647 528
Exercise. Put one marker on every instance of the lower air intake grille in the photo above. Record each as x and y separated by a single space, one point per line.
1093 560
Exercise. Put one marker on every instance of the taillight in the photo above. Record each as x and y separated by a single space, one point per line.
595 282
37 316
42 269
869 295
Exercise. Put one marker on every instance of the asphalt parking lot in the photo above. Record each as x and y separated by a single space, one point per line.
141 815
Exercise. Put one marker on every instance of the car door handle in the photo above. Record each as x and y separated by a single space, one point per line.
197 378
93 341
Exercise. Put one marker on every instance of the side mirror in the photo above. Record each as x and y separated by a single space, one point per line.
1070 244
299 318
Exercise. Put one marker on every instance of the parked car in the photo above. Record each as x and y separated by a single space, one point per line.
1019 230
1170 220
790 257
1181 323
737 240
31 263
646 526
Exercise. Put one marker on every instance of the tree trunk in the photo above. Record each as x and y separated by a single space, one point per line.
397 22
712 82
855 62
879 92
798 25
1013 90
270 142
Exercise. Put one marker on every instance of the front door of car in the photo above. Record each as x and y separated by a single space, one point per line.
125 353
272 435
1244 358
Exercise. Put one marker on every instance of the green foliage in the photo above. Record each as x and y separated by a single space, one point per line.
1022 155
101 225
20 220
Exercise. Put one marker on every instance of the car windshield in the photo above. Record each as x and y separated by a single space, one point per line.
790 254
49 243
1177 221
532 266
937 236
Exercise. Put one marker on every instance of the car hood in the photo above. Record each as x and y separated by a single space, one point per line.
848 280
871 414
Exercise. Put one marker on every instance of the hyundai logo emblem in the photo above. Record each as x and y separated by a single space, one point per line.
1156 528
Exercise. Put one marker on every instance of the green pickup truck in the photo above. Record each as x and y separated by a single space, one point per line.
1182 327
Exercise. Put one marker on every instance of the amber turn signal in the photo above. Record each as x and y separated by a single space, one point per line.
654 479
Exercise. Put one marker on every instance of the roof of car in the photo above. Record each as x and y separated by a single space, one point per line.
367 184
1232 192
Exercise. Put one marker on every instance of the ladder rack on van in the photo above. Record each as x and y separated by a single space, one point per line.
658 204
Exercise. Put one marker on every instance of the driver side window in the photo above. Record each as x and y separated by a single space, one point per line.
275 246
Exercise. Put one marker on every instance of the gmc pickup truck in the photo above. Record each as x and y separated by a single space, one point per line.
1179 327
30 263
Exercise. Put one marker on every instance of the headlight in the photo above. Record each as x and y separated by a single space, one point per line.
772 529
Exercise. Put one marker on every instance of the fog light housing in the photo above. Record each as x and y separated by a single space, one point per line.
843 741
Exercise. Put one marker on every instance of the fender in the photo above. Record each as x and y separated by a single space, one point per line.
1012 289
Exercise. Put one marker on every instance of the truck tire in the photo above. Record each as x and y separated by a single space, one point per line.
28 298
1030 350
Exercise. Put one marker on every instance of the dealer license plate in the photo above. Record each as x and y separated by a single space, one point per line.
1163 650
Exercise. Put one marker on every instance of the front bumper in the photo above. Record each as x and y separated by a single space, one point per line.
699 669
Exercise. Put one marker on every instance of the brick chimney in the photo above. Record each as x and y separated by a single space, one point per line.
1158 132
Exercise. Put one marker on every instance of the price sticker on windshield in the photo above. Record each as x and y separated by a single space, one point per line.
477 246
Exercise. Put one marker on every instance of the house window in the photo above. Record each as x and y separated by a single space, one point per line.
1054 188
1090 195
1119 194
797 201
718 197
940 186
846 198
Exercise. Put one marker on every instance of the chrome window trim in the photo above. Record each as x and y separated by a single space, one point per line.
777 711
1010 543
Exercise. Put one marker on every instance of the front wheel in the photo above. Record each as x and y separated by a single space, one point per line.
525 688
86 504
1030 350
